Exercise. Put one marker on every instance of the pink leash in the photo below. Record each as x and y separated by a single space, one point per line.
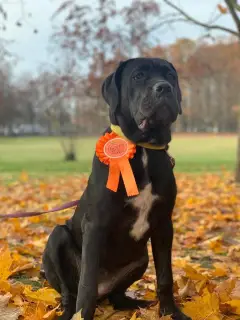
22 214
68 205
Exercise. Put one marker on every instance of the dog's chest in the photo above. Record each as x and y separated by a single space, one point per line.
142 204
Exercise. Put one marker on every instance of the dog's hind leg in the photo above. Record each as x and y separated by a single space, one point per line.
118 297
61 264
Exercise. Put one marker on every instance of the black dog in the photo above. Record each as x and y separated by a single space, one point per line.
102 249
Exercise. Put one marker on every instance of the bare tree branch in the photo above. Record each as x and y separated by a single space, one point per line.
3 12
234 14
208 26
164 23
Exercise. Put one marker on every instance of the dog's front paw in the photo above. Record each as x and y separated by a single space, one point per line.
176 314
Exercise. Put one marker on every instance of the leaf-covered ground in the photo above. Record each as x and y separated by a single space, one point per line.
206 251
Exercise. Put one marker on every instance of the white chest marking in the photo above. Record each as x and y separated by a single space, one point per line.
143 203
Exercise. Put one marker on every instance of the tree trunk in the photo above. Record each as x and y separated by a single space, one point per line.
70 155
237 176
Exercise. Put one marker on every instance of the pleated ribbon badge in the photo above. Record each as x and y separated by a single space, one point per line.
115 152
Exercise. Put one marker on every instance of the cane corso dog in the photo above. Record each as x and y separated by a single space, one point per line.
102 250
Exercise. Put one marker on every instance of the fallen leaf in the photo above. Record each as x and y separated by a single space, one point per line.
193 274
225 289
4 286
204 307
45 295
5 263
78 316
206 248
235 305
234 253
235 294
134 317
215 244
50 315
8 312
188 290
220 270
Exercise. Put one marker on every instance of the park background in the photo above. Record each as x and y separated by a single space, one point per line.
54 56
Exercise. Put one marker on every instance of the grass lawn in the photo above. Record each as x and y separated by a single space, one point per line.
41 156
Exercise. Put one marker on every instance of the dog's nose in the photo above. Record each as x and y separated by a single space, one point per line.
162 87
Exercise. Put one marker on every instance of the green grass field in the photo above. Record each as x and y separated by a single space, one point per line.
42 156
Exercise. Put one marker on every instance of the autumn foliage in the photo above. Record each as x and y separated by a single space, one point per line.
206 250
208 68
89 42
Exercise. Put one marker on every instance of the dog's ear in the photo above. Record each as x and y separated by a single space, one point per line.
179 93
111 90
111 95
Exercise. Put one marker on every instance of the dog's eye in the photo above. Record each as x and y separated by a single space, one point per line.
171 77
138 76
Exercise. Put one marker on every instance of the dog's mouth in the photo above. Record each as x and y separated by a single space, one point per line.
154 122
161 116
143 125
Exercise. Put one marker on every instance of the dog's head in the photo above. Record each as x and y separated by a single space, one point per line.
144 99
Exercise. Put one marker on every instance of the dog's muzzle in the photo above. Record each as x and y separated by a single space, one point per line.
162 107
161 88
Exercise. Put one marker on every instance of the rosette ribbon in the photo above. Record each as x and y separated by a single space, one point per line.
115 151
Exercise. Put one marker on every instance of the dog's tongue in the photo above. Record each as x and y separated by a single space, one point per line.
143 124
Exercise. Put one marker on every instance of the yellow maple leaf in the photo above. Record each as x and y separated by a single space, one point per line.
215 244
23 267
220 270
4 286
50 315
134 316
205 307
193 274
18 301
5 263
45 295
40 311
34 311
181 262
235 306
78 316
16 288
200 285
149 295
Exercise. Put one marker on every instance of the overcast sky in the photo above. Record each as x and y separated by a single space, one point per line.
33 49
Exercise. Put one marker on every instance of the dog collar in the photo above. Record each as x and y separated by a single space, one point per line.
118 131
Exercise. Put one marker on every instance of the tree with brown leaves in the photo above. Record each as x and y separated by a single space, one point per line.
232 8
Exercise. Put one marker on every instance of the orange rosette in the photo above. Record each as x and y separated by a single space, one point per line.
116 151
